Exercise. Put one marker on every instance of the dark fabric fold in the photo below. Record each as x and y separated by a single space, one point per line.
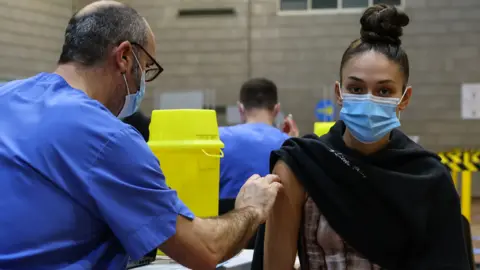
385 205
140 122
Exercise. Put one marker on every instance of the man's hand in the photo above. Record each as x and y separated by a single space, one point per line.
259 193
290 127
205 242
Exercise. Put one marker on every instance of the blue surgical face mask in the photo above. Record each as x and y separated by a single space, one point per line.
133 101
369 118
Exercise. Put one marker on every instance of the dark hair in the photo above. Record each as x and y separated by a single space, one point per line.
89 36
382 27
259 93
140 122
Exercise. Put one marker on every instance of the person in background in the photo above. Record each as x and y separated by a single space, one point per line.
81 189
248 145
364 196
140 122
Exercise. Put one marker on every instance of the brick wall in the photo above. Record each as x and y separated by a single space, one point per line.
198 53
302 54
444 47
31 35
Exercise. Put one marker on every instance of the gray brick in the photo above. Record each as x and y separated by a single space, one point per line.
264 8
422 28
464 27
450 14
465 52
412 126
416 4
439 127
451 141
468 66
265 33
40 8
441 3
465 3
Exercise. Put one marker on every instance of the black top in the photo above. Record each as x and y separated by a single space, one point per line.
398 207
141 122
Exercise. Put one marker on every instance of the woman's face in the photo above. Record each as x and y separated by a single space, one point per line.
372 72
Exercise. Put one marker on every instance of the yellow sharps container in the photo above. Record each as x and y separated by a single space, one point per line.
187 144
322 128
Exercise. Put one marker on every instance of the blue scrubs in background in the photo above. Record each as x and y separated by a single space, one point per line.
247 152
79 189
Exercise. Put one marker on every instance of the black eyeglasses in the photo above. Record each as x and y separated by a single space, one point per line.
152 72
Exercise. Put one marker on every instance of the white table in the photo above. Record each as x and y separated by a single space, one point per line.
242 261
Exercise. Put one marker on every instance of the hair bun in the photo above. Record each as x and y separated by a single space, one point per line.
383 24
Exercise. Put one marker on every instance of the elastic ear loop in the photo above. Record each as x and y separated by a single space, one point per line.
340 91
400 101
123 74
126 83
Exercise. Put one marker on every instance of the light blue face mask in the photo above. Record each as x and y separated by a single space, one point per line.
369 118
133 101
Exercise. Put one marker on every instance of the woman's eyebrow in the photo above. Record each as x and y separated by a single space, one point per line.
355 78
385 81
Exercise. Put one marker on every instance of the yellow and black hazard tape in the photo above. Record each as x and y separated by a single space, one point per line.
461 160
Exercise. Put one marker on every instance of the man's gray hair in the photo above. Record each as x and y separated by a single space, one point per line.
89 36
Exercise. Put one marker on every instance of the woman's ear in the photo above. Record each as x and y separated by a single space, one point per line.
338 94
405 98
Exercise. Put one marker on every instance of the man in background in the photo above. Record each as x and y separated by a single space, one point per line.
248 145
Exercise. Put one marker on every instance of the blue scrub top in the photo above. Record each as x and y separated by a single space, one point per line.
79 189
247 152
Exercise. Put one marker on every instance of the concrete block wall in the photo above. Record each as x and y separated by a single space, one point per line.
444 47
198 53
31 35
301 53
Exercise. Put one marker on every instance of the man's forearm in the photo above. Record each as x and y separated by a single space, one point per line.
226 235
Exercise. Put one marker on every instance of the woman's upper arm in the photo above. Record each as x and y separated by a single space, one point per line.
283 224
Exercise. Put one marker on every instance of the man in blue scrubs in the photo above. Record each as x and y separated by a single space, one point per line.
248 145
80 189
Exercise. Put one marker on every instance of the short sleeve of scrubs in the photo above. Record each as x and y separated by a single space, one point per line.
129 188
